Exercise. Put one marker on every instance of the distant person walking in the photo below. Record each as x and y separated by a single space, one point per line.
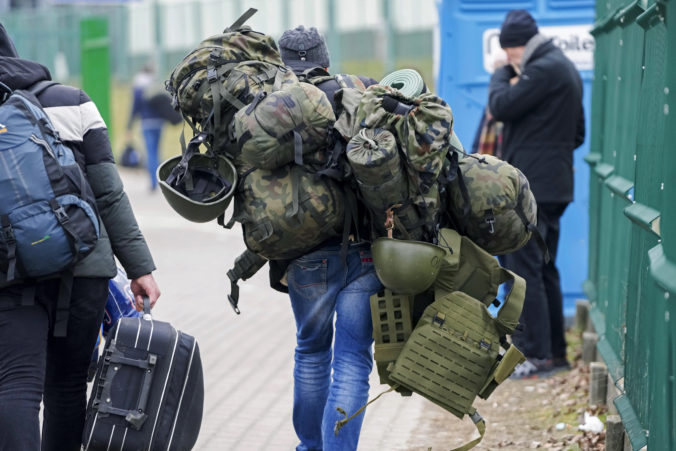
538 97
151 120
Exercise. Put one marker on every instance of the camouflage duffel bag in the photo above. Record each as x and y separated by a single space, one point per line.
279 128
374 158
421 125
491 203
287 211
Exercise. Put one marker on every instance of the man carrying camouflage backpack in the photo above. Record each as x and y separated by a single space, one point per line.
320 284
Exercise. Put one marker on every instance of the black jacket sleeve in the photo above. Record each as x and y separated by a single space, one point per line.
510 102
126 239
580 130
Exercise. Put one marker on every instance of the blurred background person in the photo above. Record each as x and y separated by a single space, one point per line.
144 87
538 97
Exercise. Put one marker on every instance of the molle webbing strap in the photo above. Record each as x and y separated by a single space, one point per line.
480 425
298 144
246 265
212 77
242 19
295 195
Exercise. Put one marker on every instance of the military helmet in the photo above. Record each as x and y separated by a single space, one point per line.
199 190
406 267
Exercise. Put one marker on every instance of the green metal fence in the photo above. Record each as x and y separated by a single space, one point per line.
632 258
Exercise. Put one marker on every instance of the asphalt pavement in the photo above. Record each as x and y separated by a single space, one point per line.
247 358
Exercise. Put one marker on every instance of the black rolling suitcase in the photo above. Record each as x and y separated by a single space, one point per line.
148 392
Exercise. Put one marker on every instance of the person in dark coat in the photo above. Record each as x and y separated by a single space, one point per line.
538 97
36 366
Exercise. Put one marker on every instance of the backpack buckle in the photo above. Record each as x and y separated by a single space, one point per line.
439 319
59 211
8 234
212 74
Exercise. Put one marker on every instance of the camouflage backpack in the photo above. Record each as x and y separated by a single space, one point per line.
491 202
222 75
422 127
287 211
282 127
373 155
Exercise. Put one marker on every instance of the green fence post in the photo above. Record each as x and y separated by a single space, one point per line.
94 44
389 36
333 38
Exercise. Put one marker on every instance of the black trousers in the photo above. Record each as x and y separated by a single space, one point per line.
35 366
542 336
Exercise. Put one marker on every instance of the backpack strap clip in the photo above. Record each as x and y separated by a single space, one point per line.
59 212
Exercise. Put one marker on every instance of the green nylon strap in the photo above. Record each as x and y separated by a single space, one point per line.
279 75
295 188
510 312
480 425
215 94
340 423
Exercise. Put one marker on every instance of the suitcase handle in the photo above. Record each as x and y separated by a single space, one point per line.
146 309
135 417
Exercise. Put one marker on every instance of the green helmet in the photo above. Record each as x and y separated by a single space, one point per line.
406 267
200 189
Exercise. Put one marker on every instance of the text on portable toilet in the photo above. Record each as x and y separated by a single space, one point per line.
576 42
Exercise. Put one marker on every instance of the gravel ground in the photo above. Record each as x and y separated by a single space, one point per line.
523 414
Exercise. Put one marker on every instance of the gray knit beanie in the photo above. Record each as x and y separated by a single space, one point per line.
303 48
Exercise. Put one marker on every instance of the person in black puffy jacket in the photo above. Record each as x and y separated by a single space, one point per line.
35 365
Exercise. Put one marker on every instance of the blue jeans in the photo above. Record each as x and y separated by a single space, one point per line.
151 136
319 286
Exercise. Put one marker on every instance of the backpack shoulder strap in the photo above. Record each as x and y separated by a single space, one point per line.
39 87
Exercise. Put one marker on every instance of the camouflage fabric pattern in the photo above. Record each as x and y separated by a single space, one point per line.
374 157
265 202
497 187
188 81
346 122
423 133
265 130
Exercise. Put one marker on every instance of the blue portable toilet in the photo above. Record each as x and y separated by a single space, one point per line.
468 46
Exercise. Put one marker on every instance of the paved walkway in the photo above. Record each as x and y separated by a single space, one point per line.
247 359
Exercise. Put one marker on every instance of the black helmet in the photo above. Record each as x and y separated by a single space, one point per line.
198 186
